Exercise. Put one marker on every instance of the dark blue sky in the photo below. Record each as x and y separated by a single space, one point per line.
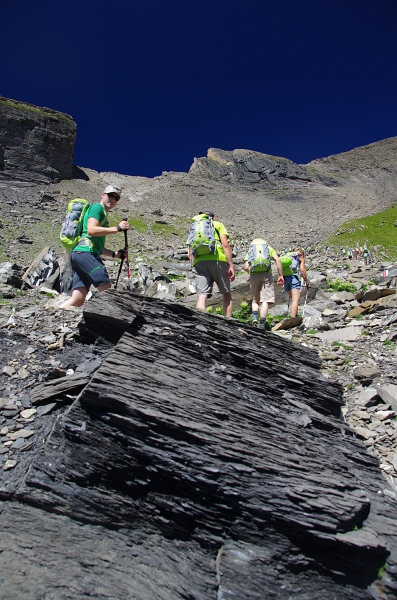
154 83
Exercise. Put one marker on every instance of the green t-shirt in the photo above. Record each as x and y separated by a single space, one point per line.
93 244
220 255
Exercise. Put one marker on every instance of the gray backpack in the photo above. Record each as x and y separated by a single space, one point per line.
259 256
202 238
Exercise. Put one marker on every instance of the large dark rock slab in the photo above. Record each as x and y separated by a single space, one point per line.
205 459
36 144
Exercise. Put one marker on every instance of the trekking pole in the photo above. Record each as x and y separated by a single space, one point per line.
289 301
127 262
118 274
304 306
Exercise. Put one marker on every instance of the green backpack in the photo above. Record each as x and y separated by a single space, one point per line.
73 223
290 263
259 256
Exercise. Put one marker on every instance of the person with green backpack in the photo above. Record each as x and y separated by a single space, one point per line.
86 255
258 265
210 255
294 267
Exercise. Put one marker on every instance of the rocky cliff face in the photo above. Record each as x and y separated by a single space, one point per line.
36 144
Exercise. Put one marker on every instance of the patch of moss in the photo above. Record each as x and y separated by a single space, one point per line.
29 108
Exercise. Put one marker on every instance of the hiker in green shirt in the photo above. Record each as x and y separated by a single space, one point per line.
257 263
86 256
214 266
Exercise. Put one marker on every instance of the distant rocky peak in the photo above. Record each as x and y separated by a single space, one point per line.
248 167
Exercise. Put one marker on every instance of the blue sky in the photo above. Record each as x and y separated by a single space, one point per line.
151 84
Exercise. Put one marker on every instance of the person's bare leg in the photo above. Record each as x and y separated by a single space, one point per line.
104 286
264 309
201 302
77 298
227 304
255 305
295 295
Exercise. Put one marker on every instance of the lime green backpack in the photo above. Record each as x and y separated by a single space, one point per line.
73 223
290 263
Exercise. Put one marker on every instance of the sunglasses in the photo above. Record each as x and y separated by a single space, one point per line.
113 196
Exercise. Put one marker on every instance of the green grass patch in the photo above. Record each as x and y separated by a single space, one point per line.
178 227
311 331
139 224
381 570
339 285
389 344
163 229
378 230
272 320
175 277
339 344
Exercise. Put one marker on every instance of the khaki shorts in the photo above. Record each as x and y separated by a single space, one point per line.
208 271
262 284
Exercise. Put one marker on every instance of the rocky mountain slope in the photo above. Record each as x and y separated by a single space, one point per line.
212 506
252 193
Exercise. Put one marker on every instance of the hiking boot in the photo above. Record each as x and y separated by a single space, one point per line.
261 326
254 320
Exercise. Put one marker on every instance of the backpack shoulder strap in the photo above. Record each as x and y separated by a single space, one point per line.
217 234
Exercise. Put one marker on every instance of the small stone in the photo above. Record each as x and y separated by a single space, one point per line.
30 350
45 409
21 433
386 467
29 412
23 373
10 464
385 414
20 444
9 370
364 432
362 414
8 414
48 339
367 372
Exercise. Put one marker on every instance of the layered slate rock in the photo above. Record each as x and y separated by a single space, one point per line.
36 144
253 168
205 459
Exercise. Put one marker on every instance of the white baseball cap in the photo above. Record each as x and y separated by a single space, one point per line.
111 189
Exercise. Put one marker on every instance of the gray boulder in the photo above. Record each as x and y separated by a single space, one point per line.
10 274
